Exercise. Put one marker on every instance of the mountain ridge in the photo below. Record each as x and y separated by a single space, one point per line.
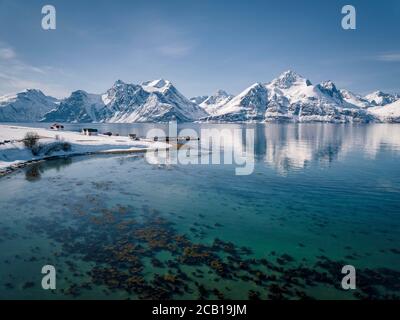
29 105
289 97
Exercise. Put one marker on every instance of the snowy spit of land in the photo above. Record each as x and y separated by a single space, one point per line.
13 152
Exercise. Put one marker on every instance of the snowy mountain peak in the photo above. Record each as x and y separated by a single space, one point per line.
80 106
119 83
377 93
79 93
152 101
213 103
290 74
254 86
329 85
250 105
33 91
26 106
87 97
25 94
379 98
330 89
123 96
218 96
157 85
160 83
289 78
221 93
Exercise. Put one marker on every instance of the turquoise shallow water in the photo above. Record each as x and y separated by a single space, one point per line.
320 197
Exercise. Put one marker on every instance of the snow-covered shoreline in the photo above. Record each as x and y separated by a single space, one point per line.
14 154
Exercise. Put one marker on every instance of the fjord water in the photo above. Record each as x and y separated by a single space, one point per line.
321 196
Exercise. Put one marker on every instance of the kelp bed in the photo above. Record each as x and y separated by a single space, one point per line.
138 254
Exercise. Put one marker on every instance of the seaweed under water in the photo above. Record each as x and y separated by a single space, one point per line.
118 243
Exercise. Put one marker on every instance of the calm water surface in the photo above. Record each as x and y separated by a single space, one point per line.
321 196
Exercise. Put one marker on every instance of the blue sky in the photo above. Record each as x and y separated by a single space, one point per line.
199 45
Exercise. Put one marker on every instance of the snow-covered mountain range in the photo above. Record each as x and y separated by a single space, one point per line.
290 97
27 106
152 101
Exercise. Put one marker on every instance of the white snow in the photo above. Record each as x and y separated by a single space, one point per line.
27 106
379 98
15 152
354 99
389 112
289 97
243 103
159 85
7 99
213 103
106 99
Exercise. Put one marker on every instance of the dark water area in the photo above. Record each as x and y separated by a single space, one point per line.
321 196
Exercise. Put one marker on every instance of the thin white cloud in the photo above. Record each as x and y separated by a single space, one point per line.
175 50
7 53
17 75
389 57
166 38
